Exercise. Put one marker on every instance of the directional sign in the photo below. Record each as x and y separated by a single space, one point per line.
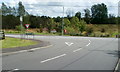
69 43
27 25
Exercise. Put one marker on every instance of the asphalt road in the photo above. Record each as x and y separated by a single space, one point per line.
66 53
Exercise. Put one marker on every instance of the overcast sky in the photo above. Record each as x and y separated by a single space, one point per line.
54 8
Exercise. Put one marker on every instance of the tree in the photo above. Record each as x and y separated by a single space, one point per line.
78 15
82 25
69 13
51 25
99 13
87 16
111 19
66 22
21 9
74 22
58 19
4 9
14 11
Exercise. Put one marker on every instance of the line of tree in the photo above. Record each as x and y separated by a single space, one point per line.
97 15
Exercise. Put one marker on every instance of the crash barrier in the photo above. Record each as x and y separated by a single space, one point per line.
2 35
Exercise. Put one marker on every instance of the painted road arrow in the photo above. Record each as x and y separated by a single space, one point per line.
69 43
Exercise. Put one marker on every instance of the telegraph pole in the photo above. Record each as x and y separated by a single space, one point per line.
63 22
21 19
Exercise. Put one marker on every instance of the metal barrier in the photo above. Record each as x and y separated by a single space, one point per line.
2 35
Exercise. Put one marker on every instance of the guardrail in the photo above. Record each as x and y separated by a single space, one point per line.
2 35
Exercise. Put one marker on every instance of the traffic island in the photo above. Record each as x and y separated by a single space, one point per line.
15 49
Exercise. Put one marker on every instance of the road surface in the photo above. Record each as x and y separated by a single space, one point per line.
66 53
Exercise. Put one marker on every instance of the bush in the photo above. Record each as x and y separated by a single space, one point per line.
19 28
70 30
82 25
103 30
89 30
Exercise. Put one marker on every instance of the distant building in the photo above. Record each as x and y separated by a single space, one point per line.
119 8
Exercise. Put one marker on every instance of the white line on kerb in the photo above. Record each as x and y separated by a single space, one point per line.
53 58
77 50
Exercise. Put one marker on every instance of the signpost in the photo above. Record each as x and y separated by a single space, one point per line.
21 19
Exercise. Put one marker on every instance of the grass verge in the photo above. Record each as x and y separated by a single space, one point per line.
14 42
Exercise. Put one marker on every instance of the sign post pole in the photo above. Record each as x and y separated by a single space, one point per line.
21 19
27 26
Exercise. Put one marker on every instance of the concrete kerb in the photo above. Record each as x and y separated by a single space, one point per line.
25 50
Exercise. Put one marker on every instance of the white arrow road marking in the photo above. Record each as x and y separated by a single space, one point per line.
53 58
69 43
77 50
88 43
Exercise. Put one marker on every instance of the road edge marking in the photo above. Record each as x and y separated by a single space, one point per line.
26 50
116 68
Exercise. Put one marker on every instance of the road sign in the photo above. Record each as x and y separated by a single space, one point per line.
27 25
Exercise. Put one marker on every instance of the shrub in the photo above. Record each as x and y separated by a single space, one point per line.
70 30
19 28
103 30
89 30
82 25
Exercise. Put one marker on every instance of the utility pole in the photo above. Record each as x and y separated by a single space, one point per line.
63 22
119 9
21 19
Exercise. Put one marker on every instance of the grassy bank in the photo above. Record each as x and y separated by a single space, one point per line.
14 42
110 30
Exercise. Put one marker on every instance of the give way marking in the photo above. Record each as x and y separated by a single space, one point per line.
69 43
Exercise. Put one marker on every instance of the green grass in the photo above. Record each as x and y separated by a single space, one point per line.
14 42
48 34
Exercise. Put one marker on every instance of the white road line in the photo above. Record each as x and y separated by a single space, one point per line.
53 58
69 43
88 44
89 41
116 68
15 69
77 50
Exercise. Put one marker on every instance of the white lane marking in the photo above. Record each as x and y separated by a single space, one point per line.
89 41
53 58
69 43
77 50
15 69
88 44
